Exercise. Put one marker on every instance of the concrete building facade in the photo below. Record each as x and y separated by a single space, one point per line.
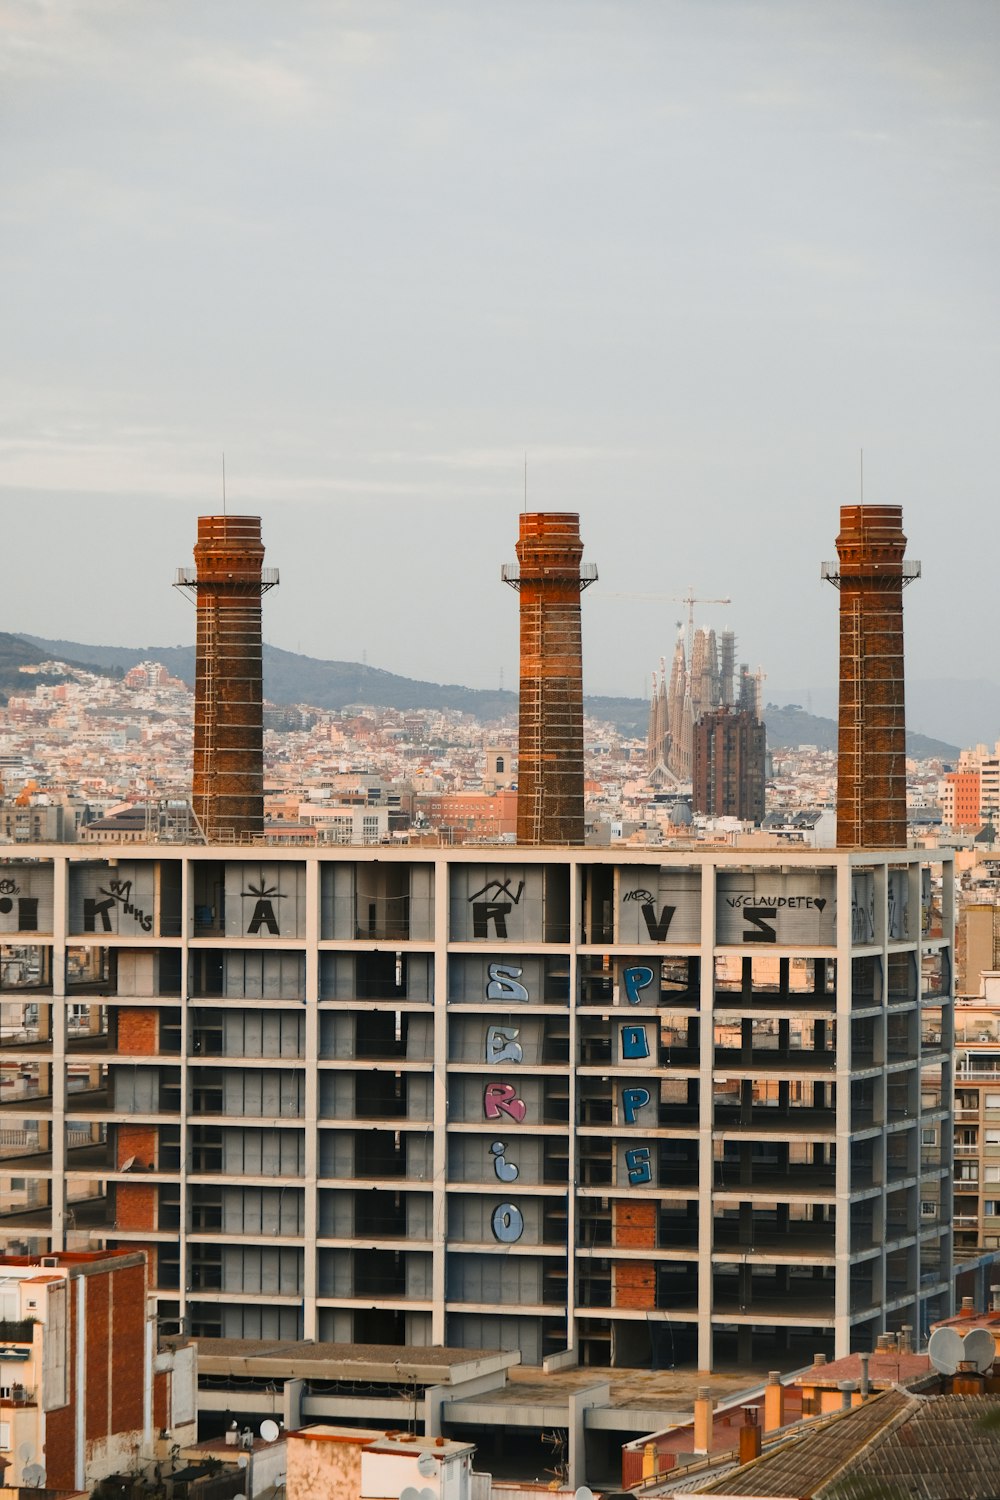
652 1106
84 1390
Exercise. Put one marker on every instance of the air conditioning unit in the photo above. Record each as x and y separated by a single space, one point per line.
50 1260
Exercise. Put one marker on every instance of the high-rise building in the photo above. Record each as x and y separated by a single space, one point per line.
728 770
657 1106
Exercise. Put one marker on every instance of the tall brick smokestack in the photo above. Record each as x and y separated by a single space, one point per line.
871 767
550 578
228 584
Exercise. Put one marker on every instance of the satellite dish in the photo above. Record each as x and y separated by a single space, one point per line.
947 1350
980 1349
426 1465
584 1492
25 1453
410 1493
127 1164
269 1430
33 1476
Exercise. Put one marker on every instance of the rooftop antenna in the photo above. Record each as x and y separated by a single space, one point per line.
862 476
526 483
223 484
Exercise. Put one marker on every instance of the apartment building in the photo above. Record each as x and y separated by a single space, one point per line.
977 1119
84 1390
660 1107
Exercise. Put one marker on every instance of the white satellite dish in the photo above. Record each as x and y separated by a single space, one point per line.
25 1452
410 1493
584 1492
127 1164
269 1430
426 1465
978 1346
33 1476
946 1349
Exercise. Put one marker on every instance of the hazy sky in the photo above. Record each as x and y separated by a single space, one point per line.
690 255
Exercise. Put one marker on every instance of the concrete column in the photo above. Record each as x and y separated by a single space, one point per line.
439 1206
842 1225
576 1449
310 1121
706 1170
57 1028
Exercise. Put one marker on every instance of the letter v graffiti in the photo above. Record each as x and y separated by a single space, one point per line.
657 929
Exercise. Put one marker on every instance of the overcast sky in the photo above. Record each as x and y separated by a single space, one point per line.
691 256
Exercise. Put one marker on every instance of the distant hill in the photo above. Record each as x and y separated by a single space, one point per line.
791 726
17 651
291 678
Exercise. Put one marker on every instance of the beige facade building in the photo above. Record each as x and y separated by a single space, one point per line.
655 1107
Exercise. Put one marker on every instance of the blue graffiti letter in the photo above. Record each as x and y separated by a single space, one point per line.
632 1101
634 1043
637 1162
637 979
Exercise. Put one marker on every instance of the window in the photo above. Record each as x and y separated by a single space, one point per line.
992 1101
992 1174
929 1137
993 1137
928 1209
966 1171
499 765
991 1208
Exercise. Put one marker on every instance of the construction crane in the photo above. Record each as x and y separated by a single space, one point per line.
690 599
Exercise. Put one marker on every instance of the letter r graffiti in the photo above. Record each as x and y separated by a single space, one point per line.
501 1099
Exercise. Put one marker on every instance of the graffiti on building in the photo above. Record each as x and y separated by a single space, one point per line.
505 1170
495 909
501 1099
503 983
263 912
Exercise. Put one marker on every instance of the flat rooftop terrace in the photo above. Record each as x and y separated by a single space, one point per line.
630 1400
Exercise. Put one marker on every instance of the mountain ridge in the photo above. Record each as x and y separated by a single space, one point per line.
290 677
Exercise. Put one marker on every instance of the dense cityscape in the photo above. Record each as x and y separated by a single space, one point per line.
499 900
155 1092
